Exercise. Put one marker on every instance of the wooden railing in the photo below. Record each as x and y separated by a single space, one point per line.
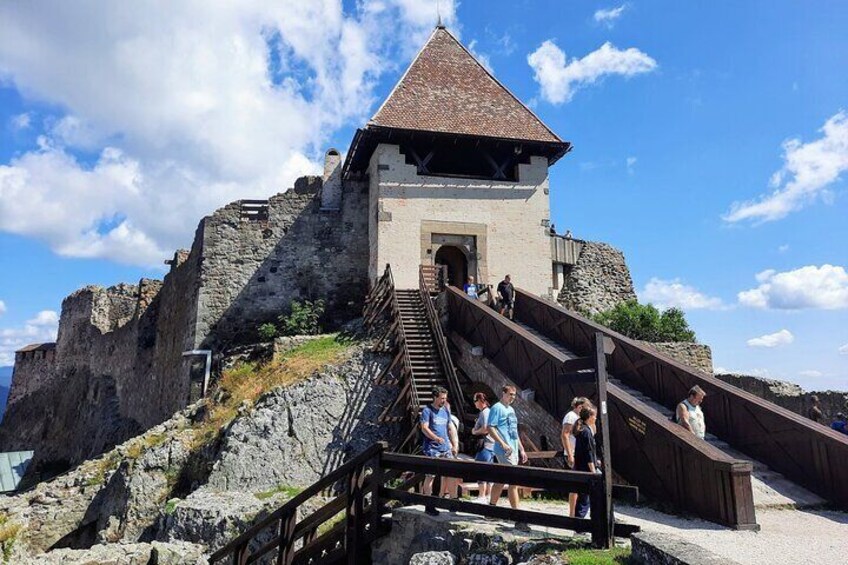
441 344
365 498
648 450
436 276
805 452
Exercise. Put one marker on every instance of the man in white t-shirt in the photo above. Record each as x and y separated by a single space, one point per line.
569 441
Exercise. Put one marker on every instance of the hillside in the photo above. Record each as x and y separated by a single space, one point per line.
188 485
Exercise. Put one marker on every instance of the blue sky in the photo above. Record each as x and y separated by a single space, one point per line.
120 127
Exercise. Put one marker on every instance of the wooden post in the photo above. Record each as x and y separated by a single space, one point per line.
285 556
354 544
240 555
604 512
376 483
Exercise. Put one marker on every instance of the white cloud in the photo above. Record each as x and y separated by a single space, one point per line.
673 293
808 170
824 287
631 161
843 350
783 248
560 78
21 121
777 339
42 328
811 373
608 16
482 58
2 307
184 109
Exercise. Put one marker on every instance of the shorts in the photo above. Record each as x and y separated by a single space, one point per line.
485 455
504 460
440 454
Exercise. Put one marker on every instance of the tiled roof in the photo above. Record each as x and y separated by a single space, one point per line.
446 90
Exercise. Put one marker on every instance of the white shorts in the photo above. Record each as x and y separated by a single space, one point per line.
503 460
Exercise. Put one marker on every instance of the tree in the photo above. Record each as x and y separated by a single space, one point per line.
645 322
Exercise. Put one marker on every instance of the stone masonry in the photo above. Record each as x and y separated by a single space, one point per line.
598 281
696 355
117 367
789 395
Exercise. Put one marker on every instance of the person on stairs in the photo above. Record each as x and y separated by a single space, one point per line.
689 413
568 435
470 288
485 453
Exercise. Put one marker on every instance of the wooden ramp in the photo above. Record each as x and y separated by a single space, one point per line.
777 440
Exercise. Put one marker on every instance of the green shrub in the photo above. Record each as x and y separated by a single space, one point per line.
8 536
268 331
645 322
304 318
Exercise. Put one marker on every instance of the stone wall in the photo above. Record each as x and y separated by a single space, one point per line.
252 270
696 355
598 281
33 369
118 367
789 395
406 209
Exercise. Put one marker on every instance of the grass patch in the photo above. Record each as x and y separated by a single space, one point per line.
103 467
331 523
248 381
137 448
289 492
171 505
615 556
8 535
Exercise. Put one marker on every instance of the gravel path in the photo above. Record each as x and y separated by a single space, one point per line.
786 536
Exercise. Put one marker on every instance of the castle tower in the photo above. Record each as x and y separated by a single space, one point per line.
457 169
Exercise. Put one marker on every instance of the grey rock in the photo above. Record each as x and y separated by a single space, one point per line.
433 558
125 554
306 430
598 281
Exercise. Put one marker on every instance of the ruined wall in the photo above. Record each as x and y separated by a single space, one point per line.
252 270
789 395
118 367
598 281
695 355
33 369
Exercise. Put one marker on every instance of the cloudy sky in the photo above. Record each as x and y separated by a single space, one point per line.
711 142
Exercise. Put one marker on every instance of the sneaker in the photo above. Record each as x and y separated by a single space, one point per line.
522 526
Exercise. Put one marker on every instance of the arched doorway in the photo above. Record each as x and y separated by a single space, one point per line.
456 262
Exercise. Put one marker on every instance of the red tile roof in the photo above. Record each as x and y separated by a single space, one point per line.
446 90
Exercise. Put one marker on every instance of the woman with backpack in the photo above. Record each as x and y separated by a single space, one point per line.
585 454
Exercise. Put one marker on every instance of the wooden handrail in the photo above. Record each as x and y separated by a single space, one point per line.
291 506
441 346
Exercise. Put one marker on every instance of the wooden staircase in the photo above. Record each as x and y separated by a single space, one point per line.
426 365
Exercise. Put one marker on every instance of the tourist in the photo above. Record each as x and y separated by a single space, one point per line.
470 288
840 424
689 413
438 440
567 234
485 453
503 427
569 440
553 230
507 295
585 454
815 413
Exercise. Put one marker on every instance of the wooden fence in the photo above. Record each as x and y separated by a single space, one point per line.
365 497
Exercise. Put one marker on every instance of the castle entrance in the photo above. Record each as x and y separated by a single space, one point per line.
456 262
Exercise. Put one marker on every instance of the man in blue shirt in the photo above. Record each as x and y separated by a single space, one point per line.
840 424
503 427
439 440
470 288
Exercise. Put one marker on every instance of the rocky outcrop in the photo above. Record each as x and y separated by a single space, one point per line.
175 484
598 281
303 431
155 553
789 395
